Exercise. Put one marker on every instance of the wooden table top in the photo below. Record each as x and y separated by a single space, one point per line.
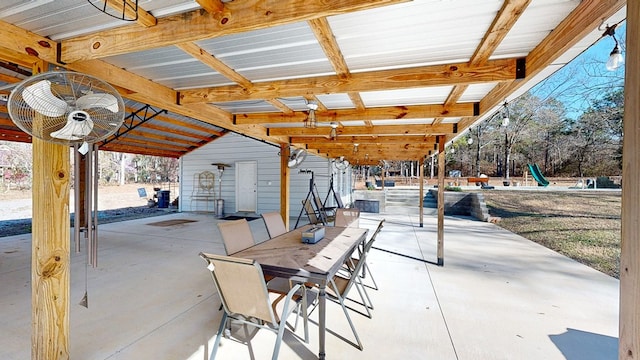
287 256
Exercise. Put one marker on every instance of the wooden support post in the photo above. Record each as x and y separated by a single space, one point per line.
421 175
50 262
284 184
629 338
441 161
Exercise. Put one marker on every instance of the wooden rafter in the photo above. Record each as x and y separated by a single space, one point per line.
413 139
382 113
586 16
239 16
500 27
440 129
327 40
435 75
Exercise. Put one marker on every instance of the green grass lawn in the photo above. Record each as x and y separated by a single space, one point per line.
584 226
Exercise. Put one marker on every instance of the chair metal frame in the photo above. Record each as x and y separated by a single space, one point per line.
365 267
340 286
245 297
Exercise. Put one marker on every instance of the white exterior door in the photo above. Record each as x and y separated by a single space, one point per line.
247 186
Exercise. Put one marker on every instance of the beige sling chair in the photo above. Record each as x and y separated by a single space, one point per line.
274 223
365 268
245 298
347 217
236 235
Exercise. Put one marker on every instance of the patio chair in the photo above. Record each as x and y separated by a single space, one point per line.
245 298
236 235
352 265
347 217
314 218
274 223
365 268
340 286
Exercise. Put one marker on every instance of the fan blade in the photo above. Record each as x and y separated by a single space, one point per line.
78 125
106 101
40 98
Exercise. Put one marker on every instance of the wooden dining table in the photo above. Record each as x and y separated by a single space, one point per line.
286 256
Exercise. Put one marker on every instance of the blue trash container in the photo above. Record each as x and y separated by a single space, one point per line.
163 198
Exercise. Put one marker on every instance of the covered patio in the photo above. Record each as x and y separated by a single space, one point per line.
400 78
500 296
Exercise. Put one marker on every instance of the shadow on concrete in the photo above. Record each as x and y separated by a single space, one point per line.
583 345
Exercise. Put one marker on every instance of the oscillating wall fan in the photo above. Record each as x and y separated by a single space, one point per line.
341 163
66 107
71 108
296 158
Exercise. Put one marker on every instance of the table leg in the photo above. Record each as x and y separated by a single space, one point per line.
322 315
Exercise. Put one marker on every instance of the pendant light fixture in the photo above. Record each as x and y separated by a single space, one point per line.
310 121
615 57
333 134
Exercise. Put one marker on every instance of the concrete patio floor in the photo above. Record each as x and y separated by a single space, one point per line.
498 296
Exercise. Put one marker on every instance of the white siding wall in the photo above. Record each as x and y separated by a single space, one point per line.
231 148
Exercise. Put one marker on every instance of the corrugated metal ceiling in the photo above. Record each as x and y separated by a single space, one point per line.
272 58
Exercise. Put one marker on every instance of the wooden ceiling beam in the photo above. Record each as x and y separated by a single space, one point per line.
14 135
210 60
441 129
219 66
141 150
586 17
237 17
372 148
413 139
24 47
142 141
382 113
191 126
500 27
327 40
374 158
149 92
434 75
212 6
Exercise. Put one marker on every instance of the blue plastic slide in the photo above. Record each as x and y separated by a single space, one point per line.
537 174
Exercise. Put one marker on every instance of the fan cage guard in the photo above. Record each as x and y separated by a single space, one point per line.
67 86
119 10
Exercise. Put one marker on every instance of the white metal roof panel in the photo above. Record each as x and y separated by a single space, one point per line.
431 95
243 107
336 101
439 33
476 92
539 19
61 19
279 52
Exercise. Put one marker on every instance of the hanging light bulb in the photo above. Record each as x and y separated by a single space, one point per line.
355 148
333 134
310 121
505 119
615 57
